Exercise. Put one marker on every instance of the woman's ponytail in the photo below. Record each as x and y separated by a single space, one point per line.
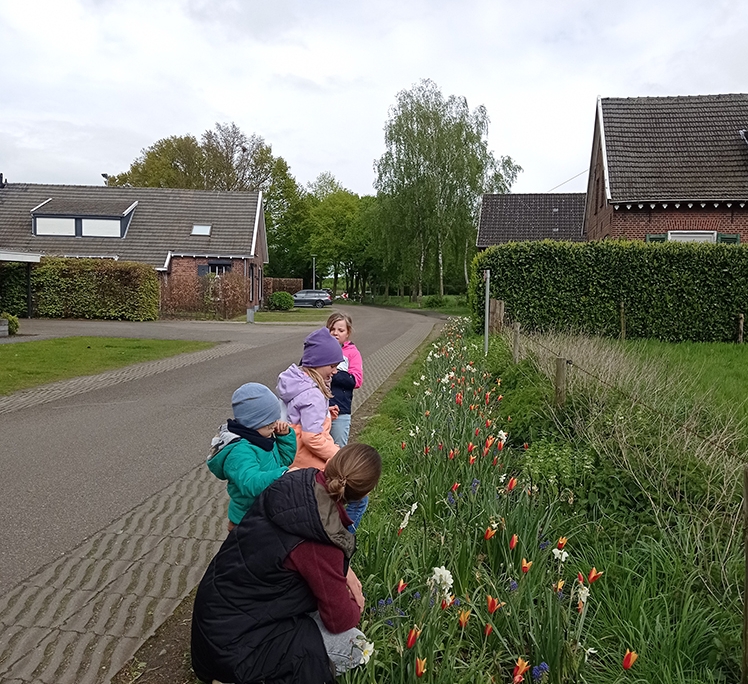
353 472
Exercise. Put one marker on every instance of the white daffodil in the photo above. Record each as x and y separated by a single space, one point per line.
406 519
502 436
441 580
583 593
589 652
367 649
560 555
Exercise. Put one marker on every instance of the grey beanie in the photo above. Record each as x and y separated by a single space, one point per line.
255 406
321 349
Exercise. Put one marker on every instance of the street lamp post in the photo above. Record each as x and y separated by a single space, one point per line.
314 271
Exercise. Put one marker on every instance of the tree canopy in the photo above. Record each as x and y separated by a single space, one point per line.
431 177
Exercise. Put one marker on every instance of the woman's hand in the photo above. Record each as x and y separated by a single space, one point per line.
334 412
355 589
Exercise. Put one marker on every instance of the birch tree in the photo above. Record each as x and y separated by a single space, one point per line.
434 170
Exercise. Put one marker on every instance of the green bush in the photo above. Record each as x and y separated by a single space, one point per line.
12 322
13 288
433 302
670 291
280 301
95 288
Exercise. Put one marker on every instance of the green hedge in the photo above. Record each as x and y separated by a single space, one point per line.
13 288
95 288
670 291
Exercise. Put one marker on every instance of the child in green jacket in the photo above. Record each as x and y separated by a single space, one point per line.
252 450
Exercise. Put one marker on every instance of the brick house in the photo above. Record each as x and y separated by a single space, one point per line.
535 216
669 168
183 234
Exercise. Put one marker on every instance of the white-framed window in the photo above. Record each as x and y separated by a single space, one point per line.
692 236
101 228
219 269
200 229
55 226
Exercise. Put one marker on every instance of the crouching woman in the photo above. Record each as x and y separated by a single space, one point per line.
278 602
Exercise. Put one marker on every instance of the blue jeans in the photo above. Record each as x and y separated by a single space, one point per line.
340 429
355 510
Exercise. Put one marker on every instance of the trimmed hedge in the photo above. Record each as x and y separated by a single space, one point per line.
13 288
95 288
280 301
670 291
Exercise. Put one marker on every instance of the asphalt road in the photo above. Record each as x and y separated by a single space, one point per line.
71 466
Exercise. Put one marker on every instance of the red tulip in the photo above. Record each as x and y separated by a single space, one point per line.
458 399
441 446
580 577
490 532
520 668
526 446
501 446
493 604
495 460
447 602
526 565
420 666
455 486
427 414
413 636
402 445
488 629
401 586
471 446
513 542
472 460
512 483
464 617
451 454
488 422
561 543
629 659
426 450
594 575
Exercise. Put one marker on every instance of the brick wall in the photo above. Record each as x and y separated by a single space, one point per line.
636 223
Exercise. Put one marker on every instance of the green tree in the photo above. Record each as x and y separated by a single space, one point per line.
434 170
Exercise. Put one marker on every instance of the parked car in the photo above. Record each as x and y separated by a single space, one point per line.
315 298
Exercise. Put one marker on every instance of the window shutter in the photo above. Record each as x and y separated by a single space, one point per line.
728 239
203 270
656 238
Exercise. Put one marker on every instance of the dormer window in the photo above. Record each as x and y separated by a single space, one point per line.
83 219
200 229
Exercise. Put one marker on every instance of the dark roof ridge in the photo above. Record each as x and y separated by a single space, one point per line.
147 188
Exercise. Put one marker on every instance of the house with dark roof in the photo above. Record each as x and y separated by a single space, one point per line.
182 234
522 217
669 168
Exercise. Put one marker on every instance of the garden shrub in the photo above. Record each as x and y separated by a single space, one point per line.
280 301
670 291
13 288
95 288
12 322
433 302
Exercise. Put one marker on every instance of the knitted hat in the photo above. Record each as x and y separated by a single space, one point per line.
321 349
255 406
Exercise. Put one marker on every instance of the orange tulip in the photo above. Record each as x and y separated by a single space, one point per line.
487 630
594 575
490 532
629 659
526 565
512 483
451 454
420 666
500 446
412 637
402 445
458 399
471 460
513 542
520 668
493 604
558 586
464 617
471 446
525 446
561 543
447 602
401 586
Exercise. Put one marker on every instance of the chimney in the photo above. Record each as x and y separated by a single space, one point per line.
3 182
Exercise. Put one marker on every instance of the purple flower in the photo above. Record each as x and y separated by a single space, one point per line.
474 485
457 602
450 499
539 670
513 586
388 601
389 622
544 545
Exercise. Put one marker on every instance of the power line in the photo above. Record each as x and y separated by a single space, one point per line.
569 179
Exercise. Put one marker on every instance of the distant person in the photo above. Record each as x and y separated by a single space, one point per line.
305 392
349 377
252 450
279 603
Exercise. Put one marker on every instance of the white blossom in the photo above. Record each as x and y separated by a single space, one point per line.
583 593
502 436
560 555
406 519
441 580
367 649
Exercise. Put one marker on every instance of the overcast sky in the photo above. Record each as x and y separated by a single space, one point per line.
85 85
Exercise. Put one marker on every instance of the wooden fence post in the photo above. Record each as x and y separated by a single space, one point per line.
623 322
741 321
496 315
560 397
515 346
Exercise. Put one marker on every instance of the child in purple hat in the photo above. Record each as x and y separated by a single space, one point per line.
305 392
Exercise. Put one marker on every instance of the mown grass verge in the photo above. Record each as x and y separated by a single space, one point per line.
28 364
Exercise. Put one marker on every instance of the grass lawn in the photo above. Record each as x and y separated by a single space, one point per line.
719 369
453 305
27 364
293 316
